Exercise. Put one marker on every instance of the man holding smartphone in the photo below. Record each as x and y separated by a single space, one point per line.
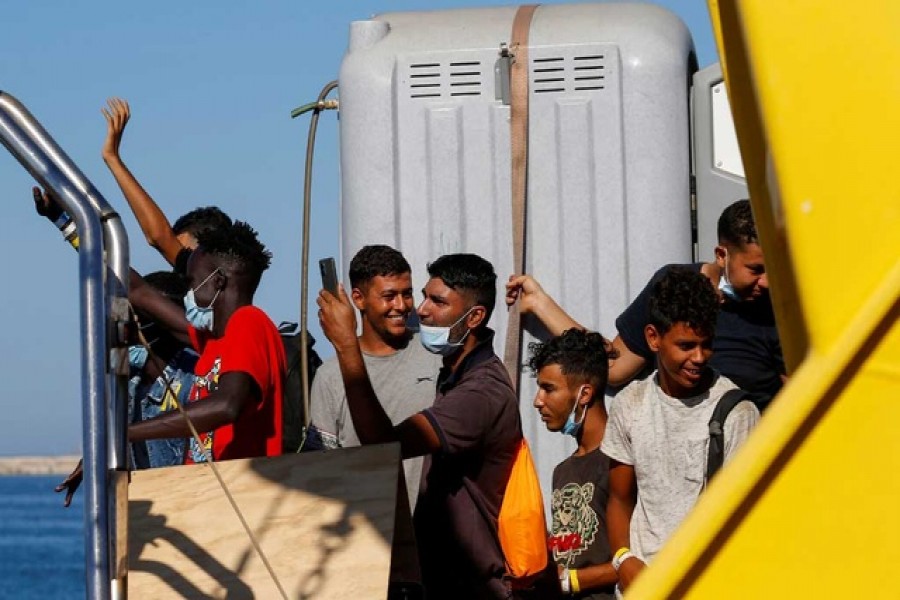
469 435
403 373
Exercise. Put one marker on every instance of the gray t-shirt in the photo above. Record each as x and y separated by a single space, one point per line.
404 383
666 439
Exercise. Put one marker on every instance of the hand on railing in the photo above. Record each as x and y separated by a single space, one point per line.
47 206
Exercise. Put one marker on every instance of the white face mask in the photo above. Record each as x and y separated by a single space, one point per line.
200 317
725 286
437 339
573 426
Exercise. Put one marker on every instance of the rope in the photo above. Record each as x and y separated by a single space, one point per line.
160 364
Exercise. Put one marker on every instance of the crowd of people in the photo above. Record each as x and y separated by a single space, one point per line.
693 334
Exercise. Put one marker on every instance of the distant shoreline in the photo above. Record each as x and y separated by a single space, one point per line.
37 465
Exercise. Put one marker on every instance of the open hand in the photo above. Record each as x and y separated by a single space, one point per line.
71 483
117 112
337 318
526 290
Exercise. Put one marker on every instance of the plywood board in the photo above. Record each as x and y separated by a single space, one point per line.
324 520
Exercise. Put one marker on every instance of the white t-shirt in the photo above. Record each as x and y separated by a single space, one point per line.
666 439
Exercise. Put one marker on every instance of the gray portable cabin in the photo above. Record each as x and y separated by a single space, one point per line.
425 155
718 169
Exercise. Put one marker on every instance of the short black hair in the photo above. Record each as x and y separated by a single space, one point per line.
582 357
684 296
200 220
238 248
173 285
468 274
736 226
376 260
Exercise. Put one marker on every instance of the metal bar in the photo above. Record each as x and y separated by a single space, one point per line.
99 228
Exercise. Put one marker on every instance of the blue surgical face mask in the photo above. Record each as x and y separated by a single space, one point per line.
572 426
725 286
200 317
137 356
437 339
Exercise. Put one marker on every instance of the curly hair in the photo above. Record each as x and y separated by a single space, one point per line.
468 274
238 247
684 296
200 220
582 356
736 226
376 260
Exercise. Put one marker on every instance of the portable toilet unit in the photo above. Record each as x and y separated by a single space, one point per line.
425 155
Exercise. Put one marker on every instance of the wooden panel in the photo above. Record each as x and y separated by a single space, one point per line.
324 520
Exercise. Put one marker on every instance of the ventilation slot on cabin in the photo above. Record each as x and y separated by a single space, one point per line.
556 74
425 80
588 72
548 75
437 80
465 78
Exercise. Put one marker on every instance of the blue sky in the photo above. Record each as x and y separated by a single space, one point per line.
211 86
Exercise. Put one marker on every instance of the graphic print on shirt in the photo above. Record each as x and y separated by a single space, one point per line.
210 383
575 523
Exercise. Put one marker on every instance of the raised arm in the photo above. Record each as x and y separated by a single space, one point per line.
167 313
534 300
416 434
153 222
524 289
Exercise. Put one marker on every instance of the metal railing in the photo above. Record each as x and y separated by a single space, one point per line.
103 266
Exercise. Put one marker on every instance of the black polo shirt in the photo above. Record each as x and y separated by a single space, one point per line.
476 417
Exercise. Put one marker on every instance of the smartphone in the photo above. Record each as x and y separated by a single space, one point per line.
329 275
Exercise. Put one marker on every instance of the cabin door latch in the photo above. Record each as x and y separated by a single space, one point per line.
502 74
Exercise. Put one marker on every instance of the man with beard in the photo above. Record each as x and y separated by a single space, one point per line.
469 436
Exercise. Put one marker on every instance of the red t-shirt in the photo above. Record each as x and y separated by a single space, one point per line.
251 344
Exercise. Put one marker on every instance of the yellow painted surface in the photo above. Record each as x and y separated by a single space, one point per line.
810 508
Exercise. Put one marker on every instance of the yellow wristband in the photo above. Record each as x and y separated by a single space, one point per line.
573 580
620 552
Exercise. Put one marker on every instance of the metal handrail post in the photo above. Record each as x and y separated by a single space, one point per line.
99 229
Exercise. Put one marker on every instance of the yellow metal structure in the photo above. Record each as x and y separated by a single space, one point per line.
810 508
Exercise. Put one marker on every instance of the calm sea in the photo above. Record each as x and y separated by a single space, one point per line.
41 543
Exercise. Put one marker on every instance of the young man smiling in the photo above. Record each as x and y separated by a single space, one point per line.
571 371
469 435
658 434
746 343
403 373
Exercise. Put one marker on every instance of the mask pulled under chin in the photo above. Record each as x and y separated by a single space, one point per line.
437 339
727 289
201 318
572 427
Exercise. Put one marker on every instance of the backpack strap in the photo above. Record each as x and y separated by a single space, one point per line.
716 455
